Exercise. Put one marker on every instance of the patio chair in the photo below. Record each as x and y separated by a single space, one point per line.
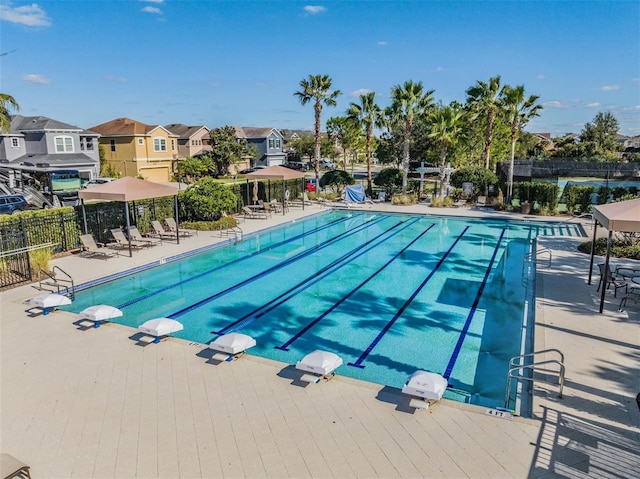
633 294
159 231
611 279
249 213
92 249
122 240
173 228
481 201
136 235
12 467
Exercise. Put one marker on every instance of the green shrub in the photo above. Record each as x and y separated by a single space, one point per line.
408 199
207 200
479 176
390 179
58 226
619 249
337 180
224 223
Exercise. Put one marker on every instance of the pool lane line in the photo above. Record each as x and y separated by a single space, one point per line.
285 346
374 343
472 311
262 274
314 278
237 260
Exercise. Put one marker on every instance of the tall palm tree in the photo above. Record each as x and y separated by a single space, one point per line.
6 101
408 102
367 115
318 89
485 99
445 127
519 110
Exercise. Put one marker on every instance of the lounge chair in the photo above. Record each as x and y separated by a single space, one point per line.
135 234
12 467
173 227
249 213
160 232
611 279
123 242
92 249
481 201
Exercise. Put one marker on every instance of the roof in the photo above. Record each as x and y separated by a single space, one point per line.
254 132
38 123
123 127
275 173
184 131
622 216
128 189
56 160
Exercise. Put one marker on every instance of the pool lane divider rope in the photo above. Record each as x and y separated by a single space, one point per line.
472 311
288 261
285 346
235 261
387 327
311 280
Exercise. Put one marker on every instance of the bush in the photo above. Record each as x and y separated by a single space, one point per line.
58 226
619 249
390 179
479 176
207 200
224 223
408 199
336 180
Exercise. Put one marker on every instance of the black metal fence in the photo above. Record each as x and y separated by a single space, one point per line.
15 267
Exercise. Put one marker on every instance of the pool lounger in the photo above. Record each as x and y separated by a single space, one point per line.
160 328
321 365
428 387
231 346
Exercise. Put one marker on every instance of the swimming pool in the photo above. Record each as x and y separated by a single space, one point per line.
389 293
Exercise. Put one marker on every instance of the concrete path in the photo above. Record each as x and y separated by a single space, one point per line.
78 402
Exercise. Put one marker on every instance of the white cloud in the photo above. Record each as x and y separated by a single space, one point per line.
36 78
540 77
440 69
556 104
116 79
610 88
632 108
593 105
382 43
29 15
314 9
359 92
155 10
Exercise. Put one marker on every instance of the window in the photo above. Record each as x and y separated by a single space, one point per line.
271 142
89 144
277 143
140 141
112 144
173 145
64 144
159 144
15 142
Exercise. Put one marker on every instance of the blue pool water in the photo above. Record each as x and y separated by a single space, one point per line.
388 293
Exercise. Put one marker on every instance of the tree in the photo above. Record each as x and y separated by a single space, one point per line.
478 175
367 115
336 179
445 125
6 102
408 102
519 111
389 179
485 100
207 200
318 89
226 151
346 132
598 138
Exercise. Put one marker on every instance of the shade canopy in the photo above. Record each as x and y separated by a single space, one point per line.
623 216
128 189
275 173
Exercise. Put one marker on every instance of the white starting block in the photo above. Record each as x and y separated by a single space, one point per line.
428 387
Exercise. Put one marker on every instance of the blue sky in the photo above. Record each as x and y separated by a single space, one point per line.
239 62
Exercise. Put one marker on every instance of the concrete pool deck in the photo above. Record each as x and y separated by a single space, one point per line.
91 402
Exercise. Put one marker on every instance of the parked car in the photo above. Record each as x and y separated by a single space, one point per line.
296 165
328 164
309 185
96 182
12 204
247 170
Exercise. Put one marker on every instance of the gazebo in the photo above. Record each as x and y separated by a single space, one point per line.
623 217
280 173
129 189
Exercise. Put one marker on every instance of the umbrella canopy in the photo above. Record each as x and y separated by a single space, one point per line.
275 173
319 362
425 385
160 327
50 300
232 343
100 312
128 189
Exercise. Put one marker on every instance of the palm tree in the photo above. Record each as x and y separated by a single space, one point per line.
408 102
485 100
367 115
317 88
445 127
520 110
6 101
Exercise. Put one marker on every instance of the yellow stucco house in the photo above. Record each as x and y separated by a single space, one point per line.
134 148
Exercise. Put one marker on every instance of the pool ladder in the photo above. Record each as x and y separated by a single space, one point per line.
234 231
62 285
524 368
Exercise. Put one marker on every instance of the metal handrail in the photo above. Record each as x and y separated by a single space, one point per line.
514 367
56 281
538 252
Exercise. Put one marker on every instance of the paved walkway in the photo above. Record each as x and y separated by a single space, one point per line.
86 403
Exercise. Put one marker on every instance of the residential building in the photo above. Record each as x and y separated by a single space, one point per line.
268 142
192 140
136 149
44 142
